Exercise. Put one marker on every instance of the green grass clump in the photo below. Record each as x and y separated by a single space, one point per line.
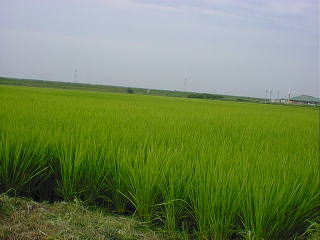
214 169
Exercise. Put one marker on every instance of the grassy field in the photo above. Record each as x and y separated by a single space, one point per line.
215 169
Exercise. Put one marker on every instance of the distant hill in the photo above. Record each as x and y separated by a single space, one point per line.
119 89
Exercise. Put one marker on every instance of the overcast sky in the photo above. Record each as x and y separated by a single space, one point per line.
235 47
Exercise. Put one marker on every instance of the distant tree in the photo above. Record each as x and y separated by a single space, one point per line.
129 90
196 96
205 96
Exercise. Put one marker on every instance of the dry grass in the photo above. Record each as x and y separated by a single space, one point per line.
26 219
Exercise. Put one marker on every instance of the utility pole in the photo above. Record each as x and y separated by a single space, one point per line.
75 75
270 94
265 100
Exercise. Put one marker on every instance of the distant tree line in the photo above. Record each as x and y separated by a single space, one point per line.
129 90
205 96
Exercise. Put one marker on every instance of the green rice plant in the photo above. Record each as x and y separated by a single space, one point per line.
215 195
221 170
119 183
282 190
22 162
176 177
81 171
144 180
279 204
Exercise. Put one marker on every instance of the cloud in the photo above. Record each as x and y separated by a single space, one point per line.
306 8
293 7
301 15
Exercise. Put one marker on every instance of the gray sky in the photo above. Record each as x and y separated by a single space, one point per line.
235 47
